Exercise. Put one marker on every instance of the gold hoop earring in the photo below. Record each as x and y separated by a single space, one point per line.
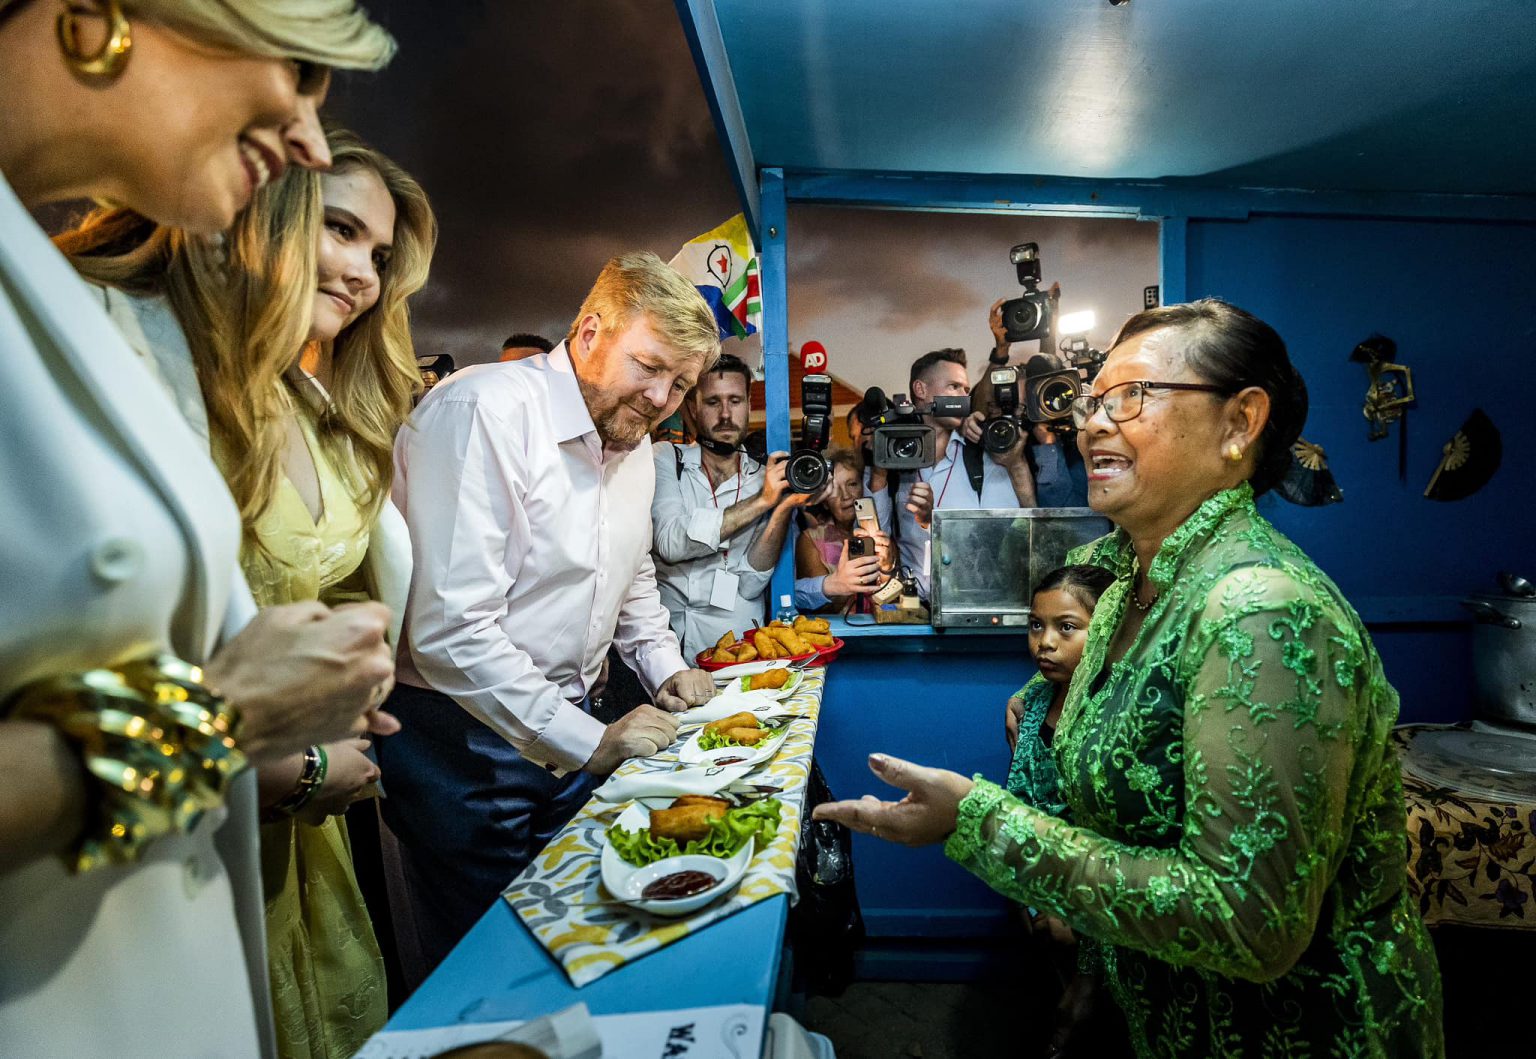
1234 453
108 62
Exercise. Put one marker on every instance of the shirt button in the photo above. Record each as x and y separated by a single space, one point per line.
116 559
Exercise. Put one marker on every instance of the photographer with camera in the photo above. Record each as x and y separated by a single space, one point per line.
716 523
844 558
962 474
1047 383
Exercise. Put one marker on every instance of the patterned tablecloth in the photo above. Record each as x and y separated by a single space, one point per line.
1471 860
560 897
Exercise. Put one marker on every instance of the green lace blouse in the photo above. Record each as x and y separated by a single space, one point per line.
1238 820
1032 772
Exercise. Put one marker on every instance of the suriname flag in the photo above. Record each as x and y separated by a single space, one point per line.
722 264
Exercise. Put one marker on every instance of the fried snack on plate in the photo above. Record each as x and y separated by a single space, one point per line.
771 680
747 736
699 799
804 625
724 656
735 720
683 824
767 646
746 653
726 642
817 639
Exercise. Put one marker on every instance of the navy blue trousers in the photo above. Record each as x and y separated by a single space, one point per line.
468 811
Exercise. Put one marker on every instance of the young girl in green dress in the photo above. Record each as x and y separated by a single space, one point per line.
1059 613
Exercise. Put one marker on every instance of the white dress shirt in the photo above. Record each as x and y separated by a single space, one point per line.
532 555
686 517
952 490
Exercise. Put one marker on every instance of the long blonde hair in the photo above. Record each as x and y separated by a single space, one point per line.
246 302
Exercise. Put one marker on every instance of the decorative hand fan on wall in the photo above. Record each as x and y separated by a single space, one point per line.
1468 460
1308 481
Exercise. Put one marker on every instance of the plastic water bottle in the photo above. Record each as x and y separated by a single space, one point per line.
786 612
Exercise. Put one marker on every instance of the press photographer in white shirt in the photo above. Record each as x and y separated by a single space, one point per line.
719 517
527 488
1001 481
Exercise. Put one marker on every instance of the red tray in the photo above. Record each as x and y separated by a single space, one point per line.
822 656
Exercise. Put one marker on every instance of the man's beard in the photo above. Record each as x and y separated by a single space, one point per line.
620 425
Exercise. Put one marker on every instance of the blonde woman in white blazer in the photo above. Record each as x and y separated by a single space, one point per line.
121 539
323 265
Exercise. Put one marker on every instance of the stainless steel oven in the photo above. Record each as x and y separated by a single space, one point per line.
985 562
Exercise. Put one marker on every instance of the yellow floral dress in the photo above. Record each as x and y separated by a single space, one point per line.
328 990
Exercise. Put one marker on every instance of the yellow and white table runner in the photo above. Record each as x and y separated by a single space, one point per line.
560 896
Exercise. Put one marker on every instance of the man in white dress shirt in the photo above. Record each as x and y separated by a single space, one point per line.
716 521
527 487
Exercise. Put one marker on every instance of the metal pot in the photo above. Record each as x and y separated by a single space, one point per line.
1504 651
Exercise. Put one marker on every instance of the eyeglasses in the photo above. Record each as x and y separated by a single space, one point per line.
1123 402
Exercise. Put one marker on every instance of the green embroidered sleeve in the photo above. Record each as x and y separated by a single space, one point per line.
1272 675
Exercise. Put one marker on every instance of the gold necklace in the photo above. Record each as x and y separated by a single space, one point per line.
1136 592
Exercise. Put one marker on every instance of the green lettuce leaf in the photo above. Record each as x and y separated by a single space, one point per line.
726 835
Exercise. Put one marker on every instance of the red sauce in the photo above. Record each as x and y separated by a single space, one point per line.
728 761
678 884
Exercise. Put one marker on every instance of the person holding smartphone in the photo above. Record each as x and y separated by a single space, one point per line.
846 557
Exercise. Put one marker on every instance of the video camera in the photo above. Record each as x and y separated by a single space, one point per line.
808 470
899 438
1029 315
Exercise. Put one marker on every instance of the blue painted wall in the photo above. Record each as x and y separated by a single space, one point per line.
1460 299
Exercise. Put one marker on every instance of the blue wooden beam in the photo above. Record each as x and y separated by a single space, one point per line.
1063 196
774 277
1173 259
701 25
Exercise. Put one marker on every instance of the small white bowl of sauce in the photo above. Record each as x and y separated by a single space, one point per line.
679 885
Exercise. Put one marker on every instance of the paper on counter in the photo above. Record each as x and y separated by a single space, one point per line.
729 1031
571 1033
671 784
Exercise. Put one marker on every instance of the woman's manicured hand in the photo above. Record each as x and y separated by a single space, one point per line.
926 815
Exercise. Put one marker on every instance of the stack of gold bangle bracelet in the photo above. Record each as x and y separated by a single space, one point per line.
159 744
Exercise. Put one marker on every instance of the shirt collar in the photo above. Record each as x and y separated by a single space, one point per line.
567 408
1192 532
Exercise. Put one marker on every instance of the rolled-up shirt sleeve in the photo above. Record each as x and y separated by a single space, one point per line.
644 636
462 499
679 530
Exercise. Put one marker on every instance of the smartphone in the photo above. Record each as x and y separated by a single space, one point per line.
864 509
859 547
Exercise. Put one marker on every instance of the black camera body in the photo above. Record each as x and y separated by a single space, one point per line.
1030 315
1083 357
808 470
900 439
1000 433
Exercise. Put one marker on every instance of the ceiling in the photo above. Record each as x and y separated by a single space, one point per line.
1392 96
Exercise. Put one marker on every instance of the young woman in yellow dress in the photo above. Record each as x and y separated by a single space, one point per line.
298 330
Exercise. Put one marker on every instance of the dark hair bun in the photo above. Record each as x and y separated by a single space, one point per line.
1234 349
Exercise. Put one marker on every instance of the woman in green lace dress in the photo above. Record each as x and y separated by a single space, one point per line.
1237 839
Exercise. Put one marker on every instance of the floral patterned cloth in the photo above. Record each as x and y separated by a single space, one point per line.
1471 861
1032 772
560 897
1237 824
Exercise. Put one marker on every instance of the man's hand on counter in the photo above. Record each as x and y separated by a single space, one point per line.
641 732
928 813
685 688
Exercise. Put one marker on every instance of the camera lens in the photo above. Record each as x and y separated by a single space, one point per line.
806 471
999 435
1056 398
909 448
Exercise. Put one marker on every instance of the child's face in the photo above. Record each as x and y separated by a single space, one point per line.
1058 628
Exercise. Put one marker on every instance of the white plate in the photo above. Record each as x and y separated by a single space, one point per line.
693 754
625 881
746 669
